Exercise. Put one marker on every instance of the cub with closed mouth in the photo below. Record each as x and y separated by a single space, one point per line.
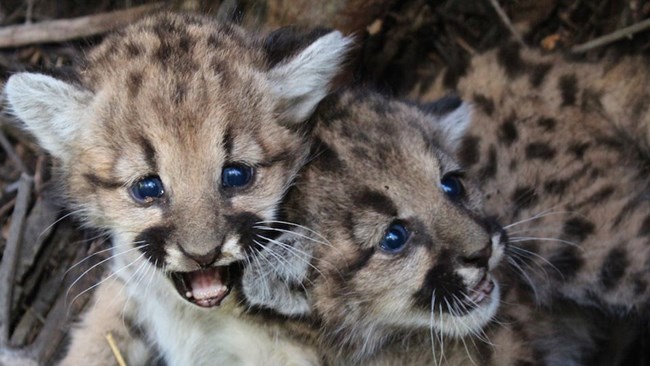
386 256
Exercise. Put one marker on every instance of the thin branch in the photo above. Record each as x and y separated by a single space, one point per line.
11 254
7 207
506 21
612 37
6 145
67 29
57 321
29 13
116 351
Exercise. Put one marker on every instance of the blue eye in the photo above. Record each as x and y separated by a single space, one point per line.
147 189
394 239
452 185
236 175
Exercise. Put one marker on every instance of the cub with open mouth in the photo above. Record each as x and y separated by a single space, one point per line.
177 136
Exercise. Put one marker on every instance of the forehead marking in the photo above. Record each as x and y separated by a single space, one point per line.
356 264
489 170
134 83
376 201
228 142
149 153
469 151
325 157
284 156
97 181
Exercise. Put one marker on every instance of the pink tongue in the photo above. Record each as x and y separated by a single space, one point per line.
206 284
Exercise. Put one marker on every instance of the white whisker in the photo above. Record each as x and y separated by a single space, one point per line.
539 216
512 260
100 282
94 254
136 276
518 239
293 250
296 225
98 264
267 228
442 335
431 321
59 220
532 255
275 268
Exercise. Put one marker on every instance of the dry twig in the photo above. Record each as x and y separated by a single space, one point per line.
6 145
115 349
29 13
46 346
612 37
506 21
10 256
67 29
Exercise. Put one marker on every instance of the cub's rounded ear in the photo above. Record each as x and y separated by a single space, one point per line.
286 42
52 110
303 66
452 118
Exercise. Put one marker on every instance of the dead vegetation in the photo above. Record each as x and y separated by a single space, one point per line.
49 266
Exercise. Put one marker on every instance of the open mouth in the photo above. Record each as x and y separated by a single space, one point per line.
206 287
482 290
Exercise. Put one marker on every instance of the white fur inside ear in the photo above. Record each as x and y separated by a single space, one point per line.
51 109
454 125
303 81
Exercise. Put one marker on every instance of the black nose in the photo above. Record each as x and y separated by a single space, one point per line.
479 258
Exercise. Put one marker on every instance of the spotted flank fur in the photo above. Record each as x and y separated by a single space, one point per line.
562 151
178 136
384 255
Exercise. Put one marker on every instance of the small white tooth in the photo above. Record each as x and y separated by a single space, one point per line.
188 294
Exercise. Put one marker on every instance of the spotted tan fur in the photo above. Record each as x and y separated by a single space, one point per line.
560 146
562 151
377 162
178 97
